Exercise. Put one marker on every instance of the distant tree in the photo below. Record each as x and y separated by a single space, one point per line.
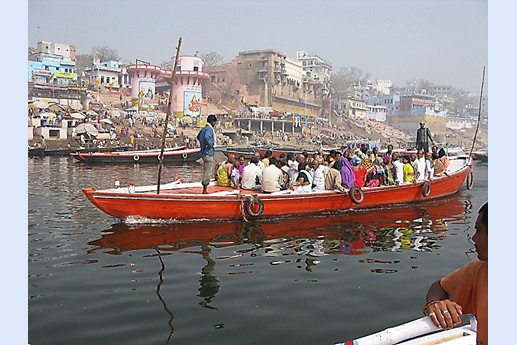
211 59
343 82
419 85
225 86
83 61
105 53
166 65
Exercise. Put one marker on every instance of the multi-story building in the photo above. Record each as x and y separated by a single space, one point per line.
440 90
274 80
376 88
66 51
51 72
52 63
383 86
317 69
351 106
105 74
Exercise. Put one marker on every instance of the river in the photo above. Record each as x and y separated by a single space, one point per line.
311 280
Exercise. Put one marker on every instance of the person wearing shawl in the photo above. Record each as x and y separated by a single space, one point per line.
347 174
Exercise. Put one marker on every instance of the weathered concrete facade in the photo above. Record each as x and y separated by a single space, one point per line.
273 80
410 123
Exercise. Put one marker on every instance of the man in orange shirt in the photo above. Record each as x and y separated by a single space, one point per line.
464 291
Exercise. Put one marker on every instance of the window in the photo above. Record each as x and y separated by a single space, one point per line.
196 68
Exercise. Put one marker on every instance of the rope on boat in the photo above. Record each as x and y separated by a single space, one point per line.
479 113
242 198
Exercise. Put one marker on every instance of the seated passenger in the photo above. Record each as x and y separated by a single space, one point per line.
252 175
333 178
408 171
318 174
359 172
429 166
439 169
303 183
235 178
443 158
272 177
224 171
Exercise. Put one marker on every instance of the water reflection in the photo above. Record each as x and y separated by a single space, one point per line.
303 241
418 227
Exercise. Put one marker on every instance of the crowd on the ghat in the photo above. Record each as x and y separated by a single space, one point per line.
335 171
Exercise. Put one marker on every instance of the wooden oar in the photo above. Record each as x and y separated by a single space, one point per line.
396 334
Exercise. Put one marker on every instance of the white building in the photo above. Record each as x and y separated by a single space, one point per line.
293 71
460 123
376 112
316 68
351 107
383 86
105 74
65 51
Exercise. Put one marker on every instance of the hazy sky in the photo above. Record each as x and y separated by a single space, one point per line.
443 41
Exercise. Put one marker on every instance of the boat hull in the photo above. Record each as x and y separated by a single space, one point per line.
188 204
138 157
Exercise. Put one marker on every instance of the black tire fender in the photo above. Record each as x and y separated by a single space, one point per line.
136 158
252 200
184 155
426 188
356 190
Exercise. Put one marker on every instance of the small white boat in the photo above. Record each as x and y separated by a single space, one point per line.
417 332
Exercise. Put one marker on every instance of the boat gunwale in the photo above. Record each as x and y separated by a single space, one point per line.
241 193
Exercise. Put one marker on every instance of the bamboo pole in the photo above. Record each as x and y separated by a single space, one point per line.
169 112
479 113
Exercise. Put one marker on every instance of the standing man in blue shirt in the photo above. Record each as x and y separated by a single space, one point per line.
206 138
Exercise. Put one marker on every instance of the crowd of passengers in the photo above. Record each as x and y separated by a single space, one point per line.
337 171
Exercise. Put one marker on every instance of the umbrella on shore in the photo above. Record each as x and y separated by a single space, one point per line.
40 105
56 107
108 121
86 128
78 116
76 105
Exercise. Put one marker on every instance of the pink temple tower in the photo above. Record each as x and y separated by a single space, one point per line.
143 83
187 91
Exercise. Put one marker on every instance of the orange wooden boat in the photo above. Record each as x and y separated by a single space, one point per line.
179 201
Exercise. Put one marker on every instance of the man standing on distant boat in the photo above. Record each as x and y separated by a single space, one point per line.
206 138
422 136
464 291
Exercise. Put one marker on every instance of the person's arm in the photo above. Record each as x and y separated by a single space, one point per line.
444 312
429 135
209 139
338 185
281 179
259 175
